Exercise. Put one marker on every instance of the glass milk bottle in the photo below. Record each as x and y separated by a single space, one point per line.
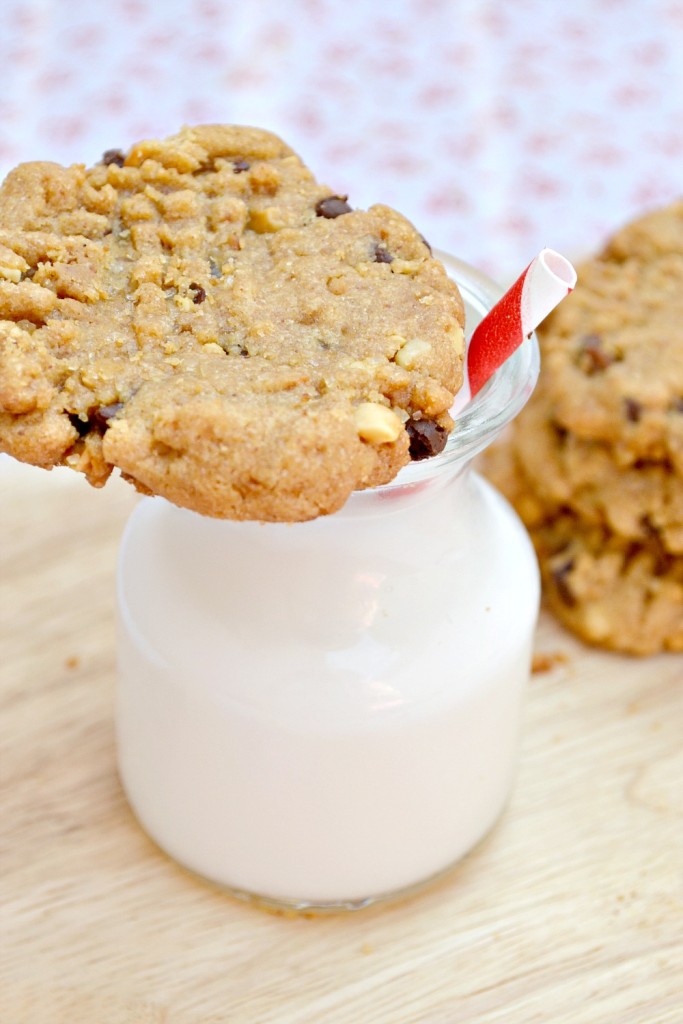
326 714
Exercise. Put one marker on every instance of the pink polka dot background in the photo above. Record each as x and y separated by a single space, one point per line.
497 127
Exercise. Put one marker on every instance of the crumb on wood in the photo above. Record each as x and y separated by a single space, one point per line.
289 913
72 662
546 661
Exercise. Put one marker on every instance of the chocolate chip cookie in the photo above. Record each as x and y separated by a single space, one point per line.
627 597
594 464
613 357
619 593
563 471
204 315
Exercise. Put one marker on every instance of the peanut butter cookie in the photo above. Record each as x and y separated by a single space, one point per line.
613 357
204 315
564 471
627 597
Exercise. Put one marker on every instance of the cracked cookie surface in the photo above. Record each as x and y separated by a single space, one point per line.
204 315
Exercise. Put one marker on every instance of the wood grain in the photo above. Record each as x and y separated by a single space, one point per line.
570 912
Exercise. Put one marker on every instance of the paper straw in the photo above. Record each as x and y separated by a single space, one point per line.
547 280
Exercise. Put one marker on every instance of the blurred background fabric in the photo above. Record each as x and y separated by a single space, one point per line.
496 127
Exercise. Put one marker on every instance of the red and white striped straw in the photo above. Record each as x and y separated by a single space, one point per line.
547 280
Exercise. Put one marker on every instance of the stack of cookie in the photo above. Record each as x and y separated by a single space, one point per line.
594 465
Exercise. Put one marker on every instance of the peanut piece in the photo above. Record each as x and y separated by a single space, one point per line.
11 274
376 423
411 354
399 266
266 220
12 266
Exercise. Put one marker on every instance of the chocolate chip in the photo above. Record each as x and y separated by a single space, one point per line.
593 357
107 412
661 558
633 410
382 254
427 438
239 166
332 206
559 574
197 293
114 156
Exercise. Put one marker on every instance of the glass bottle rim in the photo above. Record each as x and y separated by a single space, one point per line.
498 402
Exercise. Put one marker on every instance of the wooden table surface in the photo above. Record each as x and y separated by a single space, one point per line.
570 912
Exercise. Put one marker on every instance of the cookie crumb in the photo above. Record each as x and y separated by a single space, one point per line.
72 662
546 661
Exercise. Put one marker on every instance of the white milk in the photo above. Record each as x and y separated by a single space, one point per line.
327 713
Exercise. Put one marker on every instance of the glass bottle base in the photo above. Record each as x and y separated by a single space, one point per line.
283 907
